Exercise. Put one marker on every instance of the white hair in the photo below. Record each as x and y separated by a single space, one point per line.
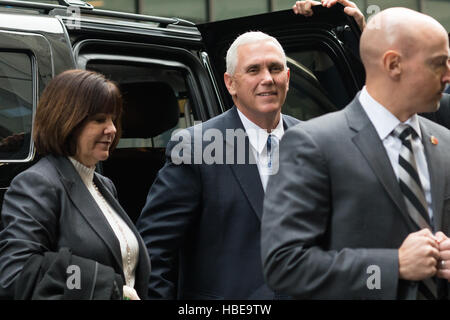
247 38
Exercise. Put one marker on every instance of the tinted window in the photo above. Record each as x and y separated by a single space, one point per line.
16 105
315 86
158 99
150 93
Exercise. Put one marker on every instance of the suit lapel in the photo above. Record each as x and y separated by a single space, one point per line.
372 148
87 206
107 194
435 169
144 261
247 174
289 122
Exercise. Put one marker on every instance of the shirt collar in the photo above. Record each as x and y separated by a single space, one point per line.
382 119
258 136
86 173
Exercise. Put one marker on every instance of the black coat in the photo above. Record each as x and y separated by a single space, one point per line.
53 276
48 207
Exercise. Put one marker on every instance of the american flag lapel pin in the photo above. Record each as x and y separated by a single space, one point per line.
434 140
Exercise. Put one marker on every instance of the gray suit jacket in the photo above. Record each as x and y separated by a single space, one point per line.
48 207
335 209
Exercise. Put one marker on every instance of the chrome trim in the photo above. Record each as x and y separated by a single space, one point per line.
207 65
88 9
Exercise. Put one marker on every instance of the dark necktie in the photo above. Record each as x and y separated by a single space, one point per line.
269 152
414 195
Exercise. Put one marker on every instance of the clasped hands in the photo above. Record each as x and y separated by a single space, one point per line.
423 255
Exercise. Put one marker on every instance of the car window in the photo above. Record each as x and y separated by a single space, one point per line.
149 92
16 105
315 86
158 99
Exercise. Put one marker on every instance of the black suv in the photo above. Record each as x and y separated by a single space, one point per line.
170 72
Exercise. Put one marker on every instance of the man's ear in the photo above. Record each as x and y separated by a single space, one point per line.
229 82
288 77
392 63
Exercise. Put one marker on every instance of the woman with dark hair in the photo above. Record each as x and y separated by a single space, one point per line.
65 234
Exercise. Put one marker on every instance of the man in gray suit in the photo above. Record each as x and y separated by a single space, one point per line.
353 211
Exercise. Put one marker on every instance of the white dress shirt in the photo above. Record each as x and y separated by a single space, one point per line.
258 142
123 233
384 122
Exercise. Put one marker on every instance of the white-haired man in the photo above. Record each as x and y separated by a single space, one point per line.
201 222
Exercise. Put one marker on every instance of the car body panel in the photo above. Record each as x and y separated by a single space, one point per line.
331 27
189 61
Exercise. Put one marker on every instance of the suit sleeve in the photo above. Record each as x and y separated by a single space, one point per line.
297 210
172 204
30 219
46 277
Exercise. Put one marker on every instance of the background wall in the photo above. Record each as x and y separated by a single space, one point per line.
212 10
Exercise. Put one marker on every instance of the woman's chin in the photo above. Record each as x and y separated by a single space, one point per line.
104 156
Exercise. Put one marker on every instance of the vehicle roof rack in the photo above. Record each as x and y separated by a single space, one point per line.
77 3
86 8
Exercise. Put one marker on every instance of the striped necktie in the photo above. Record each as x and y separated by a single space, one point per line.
413 194
409 178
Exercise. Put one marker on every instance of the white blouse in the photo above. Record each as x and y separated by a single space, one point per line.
129 246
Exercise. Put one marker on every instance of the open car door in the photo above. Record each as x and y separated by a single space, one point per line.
322 53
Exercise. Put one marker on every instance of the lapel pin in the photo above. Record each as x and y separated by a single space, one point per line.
434 140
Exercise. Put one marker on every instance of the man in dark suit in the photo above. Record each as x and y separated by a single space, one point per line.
359 208
201 221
